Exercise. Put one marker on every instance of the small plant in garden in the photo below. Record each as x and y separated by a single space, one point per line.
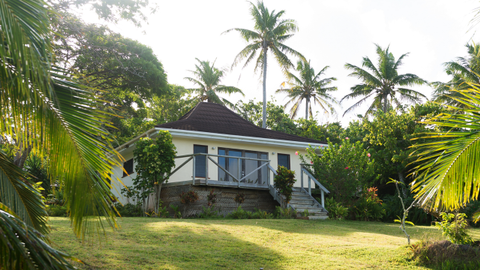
260 214
284 213
342 169
403 220
368 207
305 213
211 198
155 160
335 209
454 227
283 182
162 211
239 213
239 198
176 211
187 198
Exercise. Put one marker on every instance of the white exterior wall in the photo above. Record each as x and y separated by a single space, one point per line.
185 145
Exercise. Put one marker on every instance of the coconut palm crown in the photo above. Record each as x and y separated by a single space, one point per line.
208 78
464 70
382 83
270 32
309 87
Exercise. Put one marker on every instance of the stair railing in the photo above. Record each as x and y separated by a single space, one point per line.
311 178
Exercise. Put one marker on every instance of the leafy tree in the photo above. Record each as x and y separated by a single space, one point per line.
50 115
208 78
445 171
309 87
270 31
277 120
311 129
111 11
155 160
124 72
383 84
463 71
343 169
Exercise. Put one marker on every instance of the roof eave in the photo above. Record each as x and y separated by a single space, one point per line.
191 134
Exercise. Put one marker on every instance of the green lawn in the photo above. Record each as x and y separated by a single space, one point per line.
149 243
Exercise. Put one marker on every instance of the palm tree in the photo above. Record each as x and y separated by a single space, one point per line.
463 72
208 78
50 116
445 167
309 87
270 31
383 84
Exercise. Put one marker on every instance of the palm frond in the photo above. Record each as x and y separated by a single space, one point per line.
23 247
18 194
444 166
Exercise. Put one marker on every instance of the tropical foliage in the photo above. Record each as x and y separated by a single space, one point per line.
342 169
47 114
155 160
464 70
309 87
208 78
270 32
445 171
382 83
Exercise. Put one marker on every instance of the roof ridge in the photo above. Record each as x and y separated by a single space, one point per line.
189 113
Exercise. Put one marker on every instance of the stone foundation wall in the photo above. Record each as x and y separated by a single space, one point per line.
254 199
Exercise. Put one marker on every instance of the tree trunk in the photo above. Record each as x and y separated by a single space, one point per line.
158 191
306 109
402 179
264 117
385 102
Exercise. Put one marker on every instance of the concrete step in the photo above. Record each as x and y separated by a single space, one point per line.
316 212
318 217
296 201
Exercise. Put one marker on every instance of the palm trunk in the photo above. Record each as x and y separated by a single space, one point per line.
306 109
385 102
264 118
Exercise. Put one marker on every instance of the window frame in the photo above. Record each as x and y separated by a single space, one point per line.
289 160
125 171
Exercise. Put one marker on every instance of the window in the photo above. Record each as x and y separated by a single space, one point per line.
284 160
242 167
200 161
128 167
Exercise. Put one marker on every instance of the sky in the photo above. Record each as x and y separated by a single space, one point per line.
331 33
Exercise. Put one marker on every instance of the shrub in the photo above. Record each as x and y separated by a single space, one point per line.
211 198
393 210
456 230
240 214
176 211
342 169
57 210
446 255
335 209
239 198
129 210
260 214
368 207
284 213
208 212
284 181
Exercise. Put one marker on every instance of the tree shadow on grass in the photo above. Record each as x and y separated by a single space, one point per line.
170 244
329 227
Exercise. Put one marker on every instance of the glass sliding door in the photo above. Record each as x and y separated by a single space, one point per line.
242 167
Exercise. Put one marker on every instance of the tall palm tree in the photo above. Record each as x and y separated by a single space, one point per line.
446 172
309 87
208 78
463 71
46 114
270 31
383 84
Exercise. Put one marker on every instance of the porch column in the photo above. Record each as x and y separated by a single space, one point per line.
323 198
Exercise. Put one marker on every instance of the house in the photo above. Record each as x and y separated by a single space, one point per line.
216 148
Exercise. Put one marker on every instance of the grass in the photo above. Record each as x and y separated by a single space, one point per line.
150 243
